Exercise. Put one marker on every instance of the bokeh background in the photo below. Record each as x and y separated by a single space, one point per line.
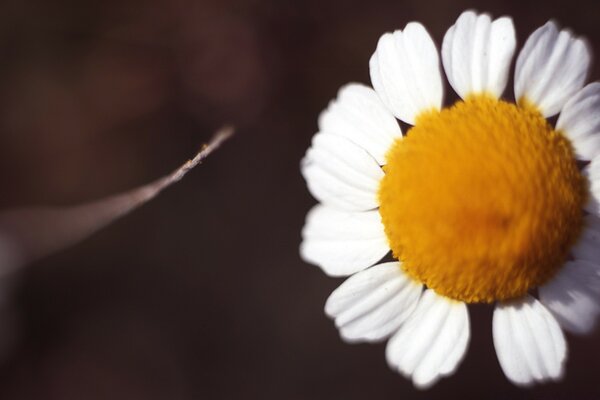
201 293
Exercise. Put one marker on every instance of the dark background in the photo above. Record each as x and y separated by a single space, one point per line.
201 294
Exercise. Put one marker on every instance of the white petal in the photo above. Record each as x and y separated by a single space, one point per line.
372 304
580 121
529 342
588 246
343 242
359 115
477 53
592 172
432 342
593 169
405 72
573 296
551 68
341 174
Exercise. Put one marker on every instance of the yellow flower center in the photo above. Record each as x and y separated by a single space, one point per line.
482 201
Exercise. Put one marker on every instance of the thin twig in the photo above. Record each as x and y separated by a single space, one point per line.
29 234
222 135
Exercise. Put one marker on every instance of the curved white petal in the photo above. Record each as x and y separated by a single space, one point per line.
579 120
341 174
529 342
573 296
359 115
343 242
551 68
592 172
405 72
372 304
432 342
588 246
593 169
477 53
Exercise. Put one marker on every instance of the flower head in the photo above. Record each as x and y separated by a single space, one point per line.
483 201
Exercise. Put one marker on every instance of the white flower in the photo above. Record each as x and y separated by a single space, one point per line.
480 202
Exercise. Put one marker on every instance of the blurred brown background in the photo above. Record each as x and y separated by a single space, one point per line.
201 293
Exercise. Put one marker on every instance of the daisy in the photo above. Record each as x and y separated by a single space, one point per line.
483 201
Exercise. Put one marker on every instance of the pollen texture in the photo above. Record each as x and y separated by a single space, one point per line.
482 201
